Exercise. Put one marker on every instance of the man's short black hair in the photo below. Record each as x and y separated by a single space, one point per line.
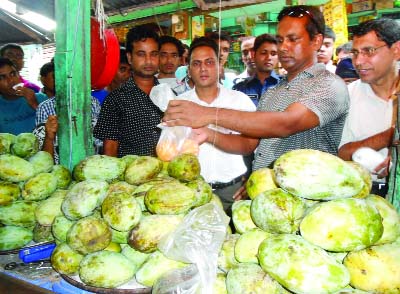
6 61
264 38
203 41
140 33
329 33
386 29
316 21
122 56
224 36
169 39
4 48
46 69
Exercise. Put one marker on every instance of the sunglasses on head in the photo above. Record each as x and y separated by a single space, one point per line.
300 12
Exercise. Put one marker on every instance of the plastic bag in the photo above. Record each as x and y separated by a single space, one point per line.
160 95
174 141
198 240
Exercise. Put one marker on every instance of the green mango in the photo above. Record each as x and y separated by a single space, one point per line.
89 234
83 198
8 192
142 170
63 176
65 260
260 180
60 227
300 266
170 198
151 229
241 216
154 267
250 278
122 186
390 219
25 145
6 140
105 269
99 167
342 225
18 213
375 269
316 175
184 167
203 191
49 209
136 258
42 233
39 187
15 169
42 162
120 237
13 237
277 211
226 257
246 247
121 211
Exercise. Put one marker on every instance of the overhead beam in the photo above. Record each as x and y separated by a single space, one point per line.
151 11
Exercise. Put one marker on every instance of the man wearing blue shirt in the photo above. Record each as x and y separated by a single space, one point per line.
266 60
17 103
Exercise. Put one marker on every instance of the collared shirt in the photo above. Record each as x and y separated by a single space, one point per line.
323 93
17 116
217 165
130 117
253 87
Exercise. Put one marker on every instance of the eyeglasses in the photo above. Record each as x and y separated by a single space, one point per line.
367 51
300 12
207 63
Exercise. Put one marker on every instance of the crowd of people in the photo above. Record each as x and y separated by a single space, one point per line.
290 96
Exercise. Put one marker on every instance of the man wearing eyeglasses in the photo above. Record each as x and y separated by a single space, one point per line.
373 105
307 109
220 167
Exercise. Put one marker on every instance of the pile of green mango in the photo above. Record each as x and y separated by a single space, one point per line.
31 191
113 217
312 227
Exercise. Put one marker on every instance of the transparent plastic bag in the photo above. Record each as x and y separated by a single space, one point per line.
160 95
174 141
197 240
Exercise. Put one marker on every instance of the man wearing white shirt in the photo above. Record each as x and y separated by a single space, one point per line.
219 167
373 102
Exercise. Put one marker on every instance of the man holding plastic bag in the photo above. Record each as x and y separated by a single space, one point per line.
222 169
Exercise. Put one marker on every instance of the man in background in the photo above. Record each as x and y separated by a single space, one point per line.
266 60
17 103
246 47
325 53
15 53
128 118
171 50
372 116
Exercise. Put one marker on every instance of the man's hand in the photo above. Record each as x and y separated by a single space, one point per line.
29 95
241 193
51 127
200 135
382 170
187 113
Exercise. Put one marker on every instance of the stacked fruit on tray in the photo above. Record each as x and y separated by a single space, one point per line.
312 227
30 183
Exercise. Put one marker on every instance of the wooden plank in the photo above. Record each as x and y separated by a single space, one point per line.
72 73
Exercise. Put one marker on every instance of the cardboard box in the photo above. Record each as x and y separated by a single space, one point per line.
362 6
383 4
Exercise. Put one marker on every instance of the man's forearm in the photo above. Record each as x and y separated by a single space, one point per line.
110 148
236 144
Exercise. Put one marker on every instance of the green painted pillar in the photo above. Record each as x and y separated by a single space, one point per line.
72 74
